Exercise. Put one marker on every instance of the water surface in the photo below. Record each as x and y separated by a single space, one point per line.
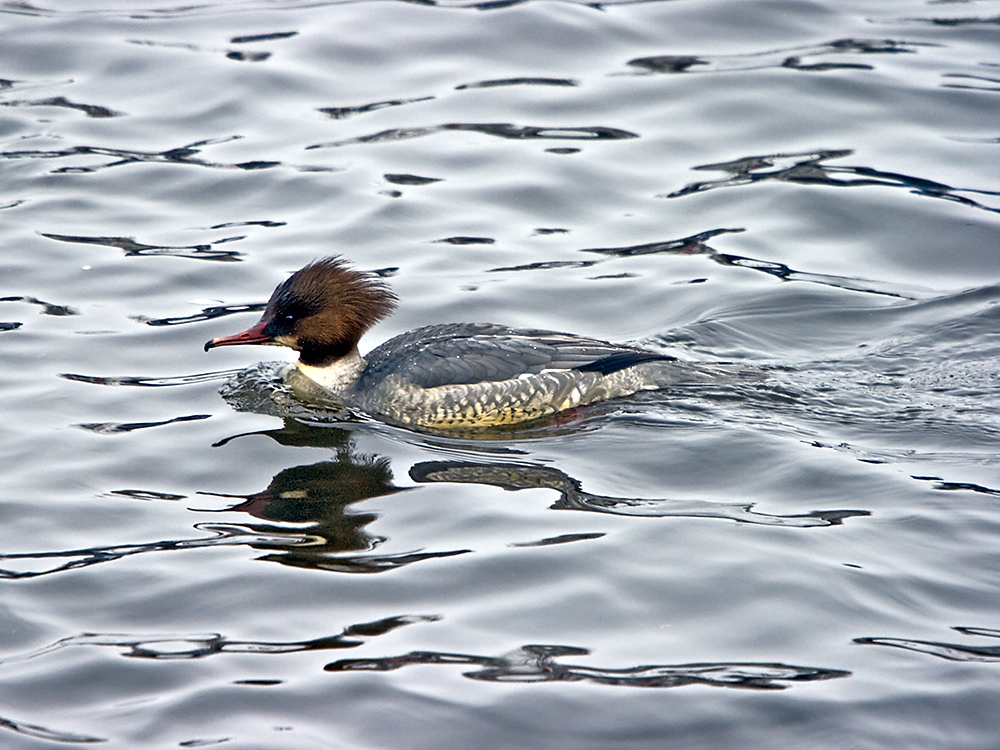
189 557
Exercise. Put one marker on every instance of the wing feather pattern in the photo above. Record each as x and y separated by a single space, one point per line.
462 354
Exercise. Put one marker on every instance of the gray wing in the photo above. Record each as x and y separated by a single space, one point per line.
454 354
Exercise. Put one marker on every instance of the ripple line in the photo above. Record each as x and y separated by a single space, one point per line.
513 477
809 168
537 663
205 377
131 248
499 129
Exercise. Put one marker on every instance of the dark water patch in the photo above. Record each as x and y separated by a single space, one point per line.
293 548
957 21
847 283
466 240
166 647
544 231
91 110
202 742
945 650
941 484
667 63
692 245
545 266
796 63
538 663
513 477
207 313
259 223
339 113
623 275
500 129
118 428
392 134
147 495
300 433
369 563
257 683
48 308
518 132
795 58
561 539
563 151
7 325
74 559
144 382
186 155
250 38
250 166
809 168
241 56
525 81
409 179
987 83
697 245
238 55
133 249
316 169
45 733
482 5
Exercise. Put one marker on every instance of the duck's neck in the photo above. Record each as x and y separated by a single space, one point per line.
340 375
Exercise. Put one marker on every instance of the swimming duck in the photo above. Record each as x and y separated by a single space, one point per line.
452 375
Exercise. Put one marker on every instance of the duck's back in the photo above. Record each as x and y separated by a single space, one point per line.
470 375
467 353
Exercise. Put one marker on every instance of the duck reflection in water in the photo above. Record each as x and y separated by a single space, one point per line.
307 519
320 493
315 500
514 476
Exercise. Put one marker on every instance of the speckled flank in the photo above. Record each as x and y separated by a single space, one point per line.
516 400
504 402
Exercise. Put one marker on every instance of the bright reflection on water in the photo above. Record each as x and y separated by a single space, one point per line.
820 539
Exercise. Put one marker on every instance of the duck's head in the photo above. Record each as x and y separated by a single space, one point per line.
320 311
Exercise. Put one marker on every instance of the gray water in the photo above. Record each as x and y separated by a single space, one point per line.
191 558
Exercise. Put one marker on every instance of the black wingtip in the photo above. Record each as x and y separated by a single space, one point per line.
623 360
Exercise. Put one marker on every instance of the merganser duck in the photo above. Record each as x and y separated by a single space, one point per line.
453 375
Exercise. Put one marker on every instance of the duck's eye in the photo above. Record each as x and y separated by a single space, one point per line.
289 318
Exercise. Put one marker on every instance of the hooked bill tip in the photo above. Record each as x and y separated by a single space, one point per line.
253 335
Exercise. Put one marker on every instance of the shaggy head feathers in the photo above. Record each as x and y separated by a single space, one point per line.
322 310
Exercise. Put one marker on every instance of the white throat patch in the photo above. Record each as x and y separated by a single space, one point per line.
338 377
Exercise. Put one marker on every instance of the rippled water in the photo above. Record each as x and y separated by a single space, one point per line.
192 558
